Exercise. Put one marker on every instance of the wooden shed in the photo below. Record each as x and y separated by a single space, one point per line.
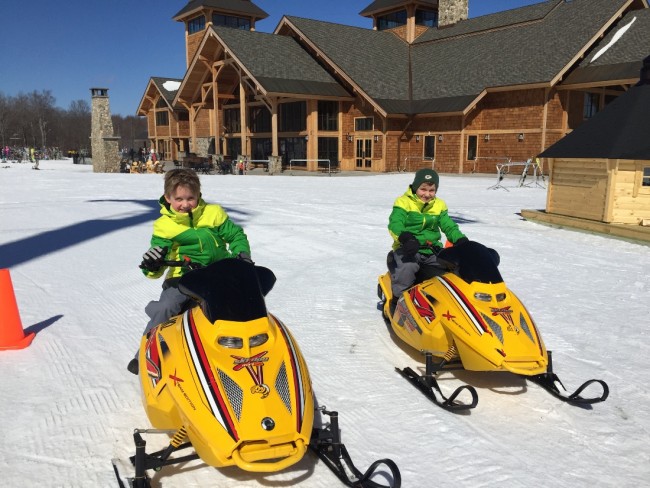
601 170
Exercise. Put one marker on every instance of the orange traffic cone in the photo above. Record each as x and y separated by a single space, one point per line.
12 335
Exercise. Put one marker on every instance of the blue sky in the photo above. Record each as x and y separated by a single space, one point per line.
69 47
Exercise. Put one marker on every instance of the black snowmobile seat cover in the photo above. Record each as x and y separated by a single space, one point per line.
229 289
472 261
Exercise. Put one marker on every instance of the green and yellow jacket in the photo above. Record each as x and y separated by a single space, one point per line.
424 221
205 235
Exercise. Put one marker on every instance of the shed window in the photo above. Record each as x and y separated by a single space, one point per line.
646 177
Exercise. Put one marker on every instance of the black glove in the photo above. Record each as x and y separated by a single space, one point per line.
153 259
244 256
409 244
460 241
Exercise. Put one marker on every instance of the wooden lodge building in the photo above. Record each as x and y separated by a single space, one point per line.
425 86
600 172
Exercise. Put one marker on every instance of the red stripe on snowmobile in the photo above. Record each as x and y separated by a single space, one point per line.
206 377
154 368
297 376
467 306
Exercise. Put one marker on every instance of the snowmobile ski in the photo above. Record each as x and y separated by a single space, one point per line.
428 385
551 383
326 443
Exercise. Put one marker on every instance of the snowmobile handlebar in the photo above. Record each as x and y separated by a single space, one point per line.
186 263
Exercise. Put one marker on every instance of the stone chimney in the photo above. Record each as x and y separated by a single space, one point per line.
104 145
452 11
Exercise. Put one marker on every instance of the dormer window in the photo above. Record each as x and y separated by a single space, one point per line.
197 24
392 20
231 21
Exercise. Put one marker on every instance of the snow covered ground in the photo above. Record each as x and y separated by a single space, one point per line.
73 240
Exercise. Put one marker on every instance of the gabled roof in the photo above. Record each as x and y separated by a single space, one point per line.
233 6
278 64
619 131
448 69
507 18
445 70
618 56
377 61
166 87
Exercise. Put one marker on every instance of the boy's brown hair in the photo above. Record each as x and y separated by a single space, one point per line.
182 177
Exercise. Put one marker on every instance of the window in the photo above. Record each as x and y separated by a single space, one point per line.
328 148
646 177
231 21
161 103
293 148
260 148
392 20
231 120
591 105
162 118
364 123
197 24
328 115
429 147
428 18
260 119
292 117
472 142
183 116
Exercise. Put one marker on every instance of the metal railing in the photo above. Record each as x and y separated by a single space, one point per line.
329 163
408 159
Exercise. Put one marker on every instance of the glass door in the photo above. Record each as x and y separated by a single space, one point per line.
364 153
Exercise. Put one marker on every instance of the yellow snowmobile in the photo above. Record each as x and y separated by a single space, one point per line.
227 379
465 317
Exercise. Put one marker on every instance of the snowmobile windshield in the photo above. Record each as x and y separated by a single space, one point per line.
229 289
472 261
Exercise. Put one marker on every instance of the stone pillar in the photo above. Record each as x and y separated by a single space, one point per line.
452 11
104 145
275 165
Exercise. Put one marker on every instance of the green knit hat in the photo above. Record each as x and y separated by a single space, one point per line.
425 176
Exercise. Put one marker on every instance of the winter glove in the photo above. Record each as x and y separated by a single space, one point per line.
244 256
153 259
409 244
460 241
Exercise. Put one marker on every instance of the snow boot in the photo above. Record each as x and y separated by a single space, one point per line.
133 366
392 305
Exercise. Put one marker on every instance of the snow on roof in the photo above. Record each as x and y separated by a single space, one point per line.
171 85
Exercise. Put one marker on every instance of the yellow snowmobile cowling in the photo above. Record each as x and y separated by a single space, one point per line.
239 389
492 333
467 318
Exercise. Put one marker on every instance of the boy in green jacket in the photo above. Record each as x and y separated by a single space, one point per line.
415 224
188 228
